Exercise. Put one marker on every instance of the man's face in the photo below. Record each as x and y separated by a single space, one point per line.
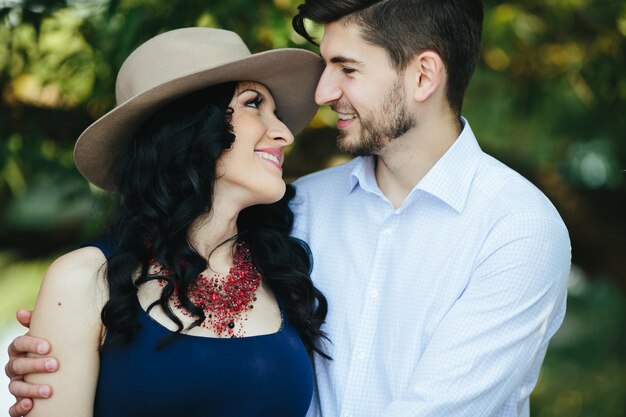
367 93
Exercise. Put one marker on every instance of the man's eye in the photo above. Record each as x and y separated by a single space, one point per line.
347 70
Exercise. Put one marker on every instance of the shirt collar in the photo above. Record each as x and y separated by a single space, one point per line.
451 177
364 174
448 180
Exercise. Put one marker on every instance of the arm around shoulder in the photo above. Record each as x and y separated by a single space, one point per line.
67 314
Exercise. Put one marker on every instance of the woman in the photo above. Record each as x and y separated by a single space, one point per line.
199 303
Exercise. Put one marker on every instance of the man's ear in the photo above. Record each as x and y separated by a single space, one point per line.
428 70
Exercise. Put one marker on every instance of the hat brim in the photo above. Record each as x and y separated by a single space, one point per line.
291 75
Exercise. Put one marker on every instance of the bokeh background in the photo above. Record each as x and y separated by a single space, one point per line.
548 99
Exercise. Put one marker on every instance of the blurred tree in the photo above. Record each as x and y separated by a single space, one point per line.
548 95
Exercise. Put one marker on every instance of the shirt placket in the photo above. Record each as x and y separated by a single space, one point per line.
359 369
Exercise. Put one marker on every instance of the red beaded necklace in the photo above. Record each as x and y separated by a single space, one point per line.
225 300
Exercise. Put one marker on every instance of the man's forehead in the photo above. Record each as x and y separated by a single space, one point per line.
344 44
339 43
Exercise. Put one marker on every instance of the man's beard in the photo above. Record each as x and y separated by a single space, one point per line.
386 122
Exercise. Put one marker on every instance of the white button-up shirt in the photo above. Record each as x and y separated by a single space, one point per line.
443 307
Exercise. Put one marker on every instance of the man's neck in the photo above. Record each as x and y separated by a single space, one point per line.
406 160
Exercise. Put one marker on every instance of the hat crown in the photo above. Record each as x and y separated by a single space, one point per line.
174 54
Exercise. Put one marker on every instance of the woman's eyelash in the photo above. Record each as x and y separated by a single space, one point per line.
256 101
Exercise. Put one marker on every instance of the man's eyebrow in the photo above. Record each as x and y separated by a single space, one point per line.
344 60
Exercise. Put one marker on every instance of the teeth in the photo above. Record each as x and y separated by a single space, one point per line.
268 156
346 116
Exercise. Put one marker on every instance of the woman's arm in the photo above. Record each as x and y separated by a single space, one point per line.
67 314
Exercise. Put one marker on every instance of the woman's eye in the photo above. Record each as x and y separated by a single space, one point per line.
347 70
254 102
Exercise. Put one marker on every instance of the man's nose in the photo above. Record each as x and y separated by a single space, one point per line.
327 90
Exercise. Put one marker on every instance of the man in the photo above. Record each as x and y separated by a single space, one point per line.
445 271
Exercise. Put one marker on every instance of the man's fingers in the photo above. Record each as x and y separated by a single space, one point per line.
23 389
17 368
24 316
28 344
20 408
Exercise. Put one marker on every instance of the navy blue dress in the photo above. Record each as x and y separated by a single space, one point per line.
256 376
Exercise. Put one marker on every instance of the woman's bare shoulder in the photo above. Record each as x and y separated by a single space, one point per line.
79 263
77 274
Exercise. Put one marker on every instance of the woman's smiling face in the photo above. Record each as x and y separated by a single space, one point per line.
251 170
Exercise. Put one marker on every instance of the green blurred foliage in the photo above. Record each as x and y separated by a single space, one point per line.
584 374
548 99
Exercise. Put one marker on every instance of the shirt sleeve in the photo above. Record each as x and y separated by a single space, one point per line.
494 338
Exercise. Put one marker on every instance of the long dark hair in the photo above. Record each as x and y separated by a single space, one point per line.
451 28
164 181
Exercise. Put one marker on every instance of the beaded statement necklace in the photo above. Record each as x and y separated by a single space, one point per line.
225 300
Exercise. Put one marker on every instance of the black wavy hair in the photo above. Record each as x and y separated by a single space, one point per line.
404 28
164 181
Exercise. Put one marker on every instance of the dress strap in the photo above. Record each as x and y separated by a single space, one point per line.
105 244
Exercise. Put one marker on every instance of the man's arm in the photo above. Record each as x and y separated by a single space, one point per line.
494 337
19 365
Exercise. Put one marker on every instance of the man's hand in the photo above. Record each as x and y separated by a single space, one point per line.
19 365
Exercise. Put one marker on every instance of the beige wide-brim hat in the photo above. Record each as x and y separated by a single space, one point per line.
179 62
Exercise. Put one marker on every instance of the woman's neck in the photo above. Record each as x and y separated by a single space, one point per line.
209 235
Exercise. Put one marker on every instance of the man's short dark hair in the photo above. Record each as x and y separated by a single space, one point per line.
404 28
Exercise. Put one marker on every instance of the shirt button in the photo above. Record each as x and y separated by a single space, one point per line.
360 356
387 232
347 414
374 293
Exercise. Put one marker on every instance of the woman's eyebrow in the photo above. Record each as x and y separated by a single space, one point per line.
252 90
